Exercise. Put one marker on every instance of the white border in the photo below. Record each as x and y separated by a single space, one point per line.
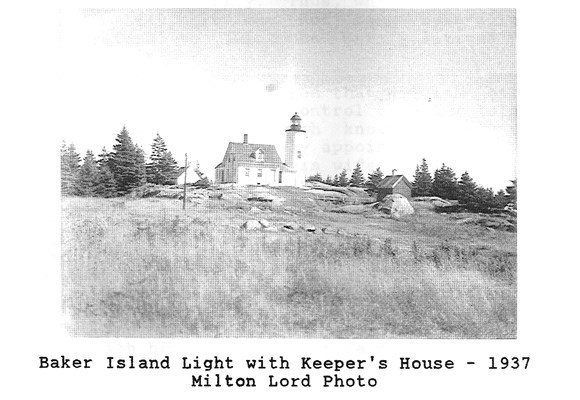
547 327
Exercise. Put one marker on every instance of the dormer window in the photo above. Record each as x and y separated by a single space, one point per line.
259 155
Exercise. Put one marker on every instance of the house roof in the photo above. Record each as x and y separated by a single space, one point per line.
246 153
390 181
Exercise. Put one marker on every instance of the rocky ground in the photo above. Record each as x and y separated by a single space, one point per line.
285 262
323 209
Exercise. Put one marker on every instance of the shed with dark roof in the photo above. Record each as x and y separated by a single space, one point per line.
393 184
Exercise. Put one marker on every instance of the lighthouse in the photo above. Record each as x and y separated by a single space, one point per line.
294 155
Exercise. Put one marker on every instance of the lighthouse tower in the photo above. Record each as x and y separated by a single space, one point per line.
295 146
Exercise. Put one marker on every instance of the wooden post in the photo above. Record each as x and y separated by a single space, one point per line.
185 182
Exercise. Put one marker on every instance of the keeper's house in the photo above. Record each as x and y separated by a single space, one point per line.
259 164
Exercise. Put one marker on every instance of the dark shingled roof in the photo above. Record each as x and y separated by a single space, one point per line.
391 181
246 153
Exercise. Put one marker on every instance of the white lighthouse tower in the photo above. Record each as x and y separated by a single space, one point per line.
295 146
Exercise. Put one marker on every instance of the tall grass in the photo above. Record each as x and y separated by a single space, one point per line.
163 273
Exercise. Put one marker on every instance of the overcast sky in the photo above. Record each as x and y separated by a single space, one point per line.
380 87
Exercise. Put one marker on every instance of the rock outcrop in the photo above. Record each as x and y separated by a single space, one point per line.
252 225
396 206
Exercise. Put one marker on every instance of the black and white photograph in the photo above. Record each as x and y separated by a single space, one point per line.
290 173
295 198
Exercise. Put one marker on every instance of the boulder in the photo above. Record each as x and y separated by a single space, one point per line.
319 186
261 194
277 201
252 225
255 210
432 200
440 203
310 228
264 222
333 196
395 205
291 226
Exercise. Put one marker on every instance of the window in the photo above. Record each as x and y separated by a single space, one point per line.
259 172
247 171
259 155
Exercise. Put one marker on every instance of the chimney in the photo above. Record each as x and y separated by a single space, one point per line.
393 172
245 138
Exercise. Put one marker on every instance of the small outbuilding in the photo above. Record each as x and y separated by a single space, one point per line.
394 184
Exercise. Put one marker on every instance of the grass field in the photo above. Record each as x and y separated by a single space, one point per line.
146 268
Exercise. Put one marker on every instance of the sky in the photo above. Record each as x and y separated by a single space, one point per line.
380 87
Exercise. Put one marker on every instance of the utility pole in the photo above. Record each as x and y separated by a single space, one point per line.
185 182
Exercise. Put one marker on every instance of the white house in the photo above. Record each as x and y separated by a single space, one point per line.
259 164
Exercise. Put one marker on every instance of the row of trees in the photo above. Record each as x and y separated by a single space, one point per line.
356 178
443 183
474 197
118 172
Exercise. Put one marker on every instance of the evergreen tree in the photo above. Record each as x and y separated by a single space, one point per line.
141 167
328 180
104 158
125 164
444 183
106 187
162 169
343 178
512 192
336 180
65 172
415 189
172 169
69 169
501 199
466 189
374 179
422 180
484 200
88 177
357 178
315 178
